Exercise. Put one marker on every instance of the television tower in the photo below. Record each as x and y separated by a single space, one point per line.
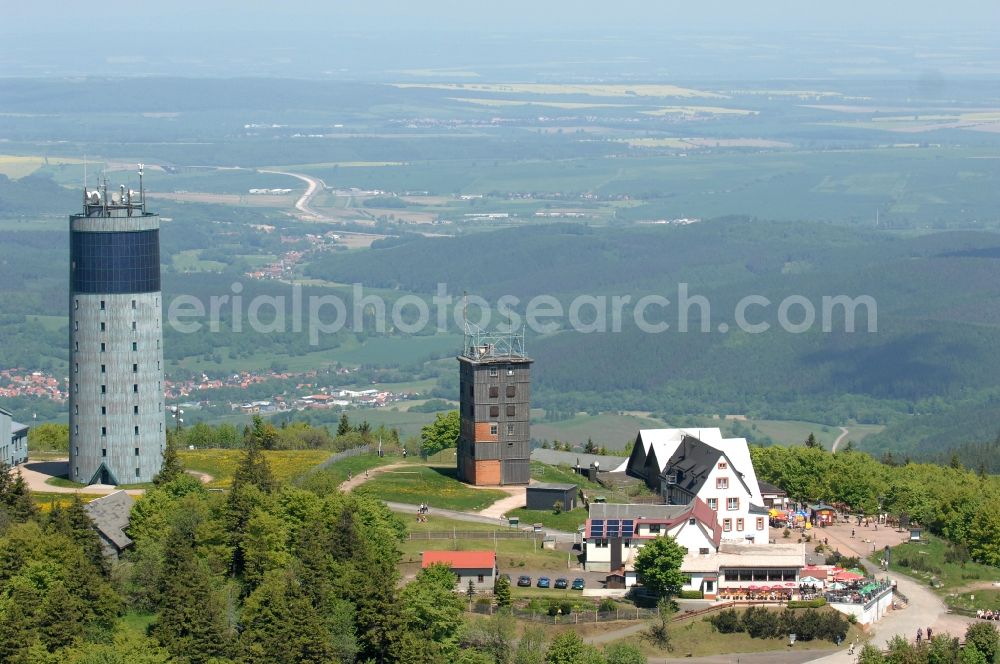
116 411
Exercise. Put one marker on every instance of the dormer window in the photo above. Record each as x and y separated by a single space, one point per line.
723 465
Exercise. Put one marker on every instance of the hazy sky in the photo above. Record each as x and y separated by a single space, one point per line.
102 19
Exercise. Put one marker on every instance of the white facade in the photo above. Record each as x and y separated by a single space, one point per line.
731 488
731 499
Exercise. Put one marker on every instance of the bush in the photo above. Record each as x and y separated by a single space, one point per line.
760 623
566 607
692 594
607 605
807 604
726 622
553 608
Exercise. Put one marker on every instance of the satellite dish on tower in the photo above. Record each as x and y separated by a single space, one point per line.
116 198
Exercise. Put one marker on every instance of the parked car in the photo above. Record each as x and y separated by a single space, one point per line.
543 582
561 583
524 581
578 584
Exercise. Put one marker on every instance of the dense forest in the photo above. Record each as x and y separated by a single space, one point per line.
263 573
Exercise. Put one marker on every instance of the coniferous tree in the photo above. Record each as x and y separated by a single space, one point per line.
501 592
281 626
61 618
344 427
84 533
15 496
171 468
191 622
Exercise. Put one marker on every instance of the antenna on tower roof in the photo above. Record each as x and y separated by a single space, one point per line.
142 195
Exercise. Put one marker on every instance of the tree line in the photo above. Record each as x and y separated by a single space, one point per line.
960 504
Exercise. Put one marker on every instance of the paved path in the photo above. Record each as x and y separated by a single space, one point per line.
925 609
491 514
35 473
836 443
361 478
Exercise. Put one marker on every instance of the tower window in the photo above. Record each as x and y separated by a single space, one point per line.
137 430
494 411
103 327
137 451
135 368
104 410
135 387
104 389
511 391
76 345
493 371
510 429
104 452
135 346
133 304
493 429
104 431
510 371
103 368
137 472
135 410
133 326
76 326
102 305
76 409
510 411
104 346
76 367
494 391
76 303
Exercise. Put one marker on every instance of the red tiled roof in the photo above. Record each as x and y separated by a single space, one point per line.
461 559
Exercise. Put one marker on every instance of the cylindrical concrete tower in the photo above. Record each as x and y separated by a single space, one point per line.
116 412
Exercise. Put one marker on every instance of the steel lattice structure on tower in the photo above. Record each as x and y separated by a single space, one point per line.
116 340
494 443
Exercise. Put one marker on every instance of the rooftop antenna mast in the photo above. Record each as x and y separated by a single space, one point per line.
142 195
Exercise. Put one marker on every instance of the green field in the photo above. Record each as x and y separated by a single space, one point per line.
434 485
330 478
190 261
611 430
45 500
382 351
512 554
565 521
221 464
698 638
927 562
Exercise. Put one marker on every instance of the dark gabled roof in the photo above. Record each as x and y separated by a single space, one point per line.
110 515
694 461
767 487
758 509
17 428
